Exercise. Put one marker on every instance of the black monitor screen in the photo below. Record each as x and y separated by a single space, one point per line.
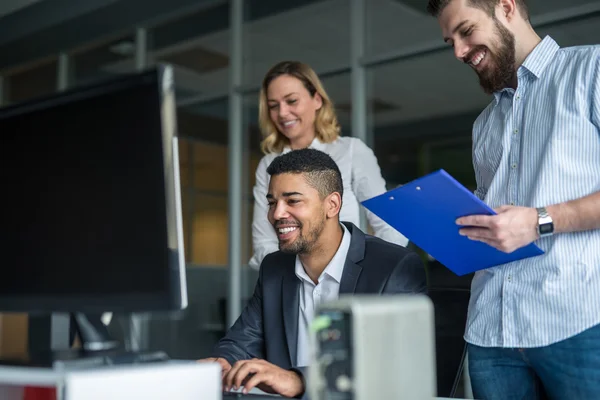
85 216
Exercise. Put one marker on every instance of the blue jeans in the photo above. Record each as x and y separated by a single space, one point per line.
568 370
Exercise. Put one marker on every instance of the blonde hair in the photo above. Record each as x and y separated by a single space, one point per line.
327 128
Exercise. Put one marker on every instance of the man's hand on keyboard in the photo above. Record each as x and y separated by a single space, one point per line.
266 376
225 366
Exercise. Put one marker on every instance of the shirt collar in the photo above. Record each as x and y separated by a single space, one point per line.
315 144
536 62
335 268
540 57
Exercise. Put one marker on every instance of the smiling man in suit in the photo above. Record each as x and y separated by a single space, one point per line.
319 258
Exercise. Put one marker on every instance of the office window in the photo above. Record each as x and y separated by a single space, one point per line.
418 101
197 46
204 130
314 32
392 25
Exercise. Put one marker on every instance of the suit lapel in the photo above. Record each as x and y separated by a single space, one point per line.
291 305
349 277
356 253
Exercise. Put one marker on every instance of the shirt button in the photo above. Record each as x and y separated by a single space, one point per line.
514 166
516 131
509 278
518 97
512 204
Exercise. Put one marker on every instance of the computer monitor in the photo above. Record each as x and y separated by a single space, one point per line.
91 216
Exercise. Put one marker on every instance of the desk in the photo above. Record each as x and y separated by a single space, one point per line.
181 380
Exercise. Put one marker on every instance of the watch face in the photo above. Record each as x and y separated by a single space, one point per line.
546 229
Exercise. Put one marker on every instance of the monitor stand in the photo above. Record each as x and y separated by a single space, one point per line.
97 348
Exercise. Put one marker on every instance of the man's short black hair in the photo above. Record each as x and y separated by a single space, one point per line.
319 169
435 7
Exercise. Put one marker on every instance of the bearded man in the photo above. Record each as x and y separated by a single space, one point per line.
534 325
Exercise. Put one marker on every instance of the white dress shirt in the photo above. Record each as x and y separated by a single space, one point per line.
362 180
535 146
312 295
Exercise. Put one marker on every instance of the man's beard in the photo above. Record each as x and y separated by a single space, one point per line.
304 244
501 70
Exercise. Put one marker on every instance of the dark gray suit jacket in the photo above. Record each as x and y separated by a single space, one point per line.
268 326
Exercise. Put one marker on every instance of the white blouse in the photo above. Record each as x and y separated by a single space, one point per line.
362 180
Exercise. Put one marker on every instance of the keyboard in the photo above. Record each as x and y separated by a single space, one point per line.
253 396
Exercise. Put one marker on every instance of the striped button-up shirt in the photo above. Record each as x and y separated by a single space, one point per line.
536 146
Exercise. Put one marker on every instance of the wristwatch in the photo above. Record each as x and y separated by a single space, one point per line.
545 223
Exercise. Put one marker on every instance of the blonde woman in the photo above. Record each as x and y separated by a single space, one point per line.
294 113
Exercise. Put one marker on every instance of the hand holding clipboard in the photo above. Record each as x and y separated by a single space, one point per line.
425 211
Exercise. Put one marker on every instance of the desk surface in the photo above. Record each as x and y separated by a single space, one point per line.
48 377
29 376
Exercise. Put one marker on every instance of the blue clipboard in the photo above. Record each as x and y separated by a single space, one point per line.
425 211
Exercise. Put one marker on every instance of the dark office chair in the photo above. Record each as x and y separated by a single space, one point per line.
450 319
